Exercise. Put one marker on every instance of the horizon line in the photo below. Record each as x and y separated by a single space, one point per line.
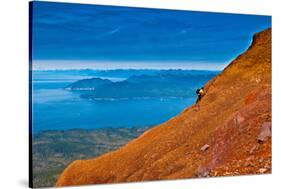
92 69
127 65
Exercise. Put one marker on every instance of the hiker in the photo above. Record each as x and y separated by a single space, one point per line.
200 94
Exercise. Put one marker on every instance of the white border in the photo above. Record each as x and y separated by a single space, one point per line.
14 91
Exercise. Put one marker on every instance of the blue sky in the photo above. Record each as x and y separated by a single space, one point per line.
74 36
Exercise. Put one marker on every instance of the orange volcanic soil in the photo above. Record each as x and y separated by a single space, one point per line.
227 133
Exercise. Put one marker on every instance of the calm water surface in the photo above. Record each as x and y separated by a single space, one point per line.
55 108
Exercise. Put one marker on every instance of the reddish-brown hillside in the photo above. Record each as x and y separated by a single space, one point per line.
227 133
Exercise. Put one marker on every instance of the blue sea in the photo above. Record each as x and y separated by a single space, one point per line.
55 108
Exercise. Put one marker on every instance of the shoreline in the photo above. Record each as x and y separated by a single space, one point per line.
90 129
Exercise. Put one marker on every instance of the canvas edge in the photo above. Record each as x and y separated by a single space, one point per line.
30 169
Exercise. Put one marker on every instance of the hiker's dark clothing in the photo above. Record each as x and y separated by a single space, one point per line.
200 94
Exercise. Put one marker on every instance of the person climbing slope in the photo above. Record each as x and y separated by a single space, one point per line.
200 93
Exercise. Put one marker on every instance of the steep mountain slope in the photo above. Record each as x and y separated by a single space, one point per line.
227 133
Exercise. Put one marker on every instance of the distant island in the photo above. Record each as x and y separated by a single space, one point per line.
88 84
163 83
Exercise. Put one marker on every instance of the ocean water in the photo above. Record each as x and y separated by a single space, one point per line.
55 108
